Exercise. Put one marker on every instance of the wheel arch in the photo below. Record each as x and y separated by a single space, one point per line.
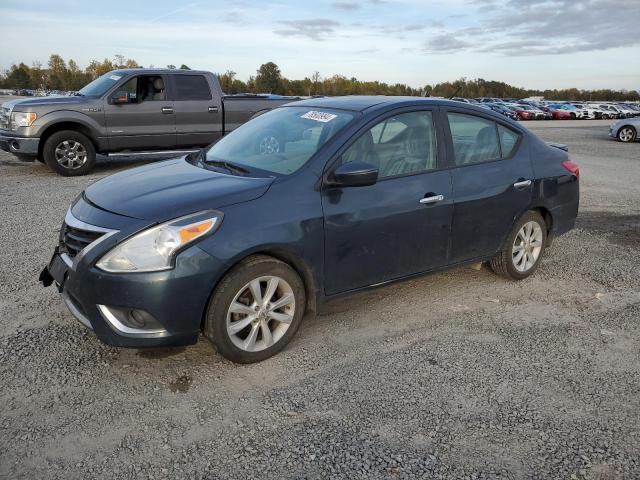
287 256
66 125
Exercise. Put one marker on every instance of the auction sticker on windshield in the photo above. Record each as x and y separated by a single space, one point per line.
323 117
115 77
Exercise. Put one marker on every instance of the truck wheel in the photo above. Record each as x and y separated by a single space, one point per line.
69 153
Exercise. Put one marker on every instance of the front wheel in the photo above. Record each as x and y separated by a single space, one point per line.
627 134
69 153
255 310
523 248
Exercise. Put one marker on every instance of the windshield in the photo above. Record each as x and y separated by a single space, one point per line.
100 85
280 141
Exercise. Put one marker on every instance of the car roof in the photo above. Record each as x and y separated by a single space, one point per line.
360 103
158 71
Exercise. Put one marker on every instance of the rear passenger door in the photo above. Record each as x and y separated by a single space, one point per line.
197 109
492 182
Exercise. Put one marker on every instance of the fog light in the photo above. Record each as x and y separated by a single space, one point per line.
132 321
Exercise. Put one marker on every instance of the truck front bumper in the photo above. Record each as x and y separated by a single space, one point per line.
13 143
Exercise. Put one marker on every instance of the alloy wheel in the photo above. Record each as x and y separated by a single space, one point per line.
260 313
527 247
626 134
71 154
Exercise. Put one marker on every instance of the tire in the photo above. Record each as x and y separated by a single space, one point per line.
506 264
573 116
627 134
69 153
240 338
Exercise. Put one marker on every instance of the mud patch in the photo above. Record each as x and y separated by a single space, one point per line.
160 352
620 229
181 384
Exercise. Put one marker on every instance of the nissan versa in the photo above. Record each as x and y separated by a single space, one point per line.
239 241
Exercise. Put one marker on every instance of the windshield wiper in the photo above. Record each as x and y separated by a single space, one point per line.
235 169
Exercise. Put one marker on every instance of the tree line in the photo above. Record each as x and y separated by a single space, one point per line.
61 75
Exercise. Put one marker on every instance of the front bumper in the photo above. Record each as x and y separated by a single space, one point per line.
175 300
13 143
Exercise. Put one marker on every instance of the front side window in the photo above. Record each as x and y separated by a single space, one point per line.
475 139
279 141
400 145
191 87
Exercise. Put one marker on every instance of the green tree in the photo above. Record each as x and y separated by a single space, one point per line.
58 73
184 67
268 79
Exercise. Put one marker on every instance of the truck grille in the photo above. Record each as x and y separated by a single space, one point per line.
74 240
5 117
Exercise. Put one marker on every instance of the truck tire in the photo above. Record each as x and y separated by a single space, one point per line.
69 153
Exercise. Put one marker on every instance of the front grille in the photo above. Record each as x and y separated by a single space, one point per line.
5 117
74 240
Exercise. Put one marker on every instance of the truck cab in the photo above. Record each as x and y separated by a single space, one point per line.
124 112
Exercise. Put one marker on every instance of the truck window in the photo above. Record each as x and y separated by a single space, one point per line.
191 87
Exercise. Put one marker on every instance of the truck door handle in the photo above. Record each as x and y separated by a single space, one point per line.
522 184
213 109
431 199
167 110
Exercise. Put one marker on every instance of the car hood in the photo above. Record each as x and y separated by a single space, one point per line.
44 101
165 190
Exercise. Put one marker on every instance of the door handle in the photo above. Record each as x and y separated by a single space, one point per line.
522 184
167 110
213 109
431 199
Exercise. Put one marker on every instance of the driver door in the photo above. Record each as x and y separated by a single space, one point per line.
147 121
400 225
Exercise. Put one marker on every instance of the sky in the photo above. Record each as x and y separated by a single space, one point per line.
528 43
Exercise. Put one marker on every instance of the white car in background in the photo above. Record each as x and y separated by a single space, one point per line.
588 111
609 112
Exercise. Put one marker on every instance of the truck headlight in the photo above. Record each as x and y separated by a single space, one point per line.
22 119
154 249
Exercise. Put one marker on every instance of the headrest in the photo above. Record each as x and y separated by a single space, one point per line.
158 84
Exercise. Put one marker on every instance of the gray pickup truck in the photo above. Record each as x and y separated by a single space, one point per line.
128 112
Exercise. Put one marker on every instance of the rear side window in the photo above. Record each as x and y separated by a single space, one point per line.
508 140
191 87
475 139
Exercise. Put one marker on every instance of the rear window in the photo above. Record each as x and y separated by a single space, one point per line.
191 87
508 140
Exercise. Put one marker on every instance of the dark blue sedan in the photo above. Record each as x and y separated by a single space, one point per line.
307 202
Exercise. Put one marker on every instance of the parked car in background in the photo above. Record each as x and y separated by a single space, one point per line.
503 109
626 130
239 243
125 112
573 111
559 114
521 111
608 112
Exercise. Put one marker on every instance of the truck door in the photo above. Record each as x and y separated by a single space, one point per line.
146 121
198 110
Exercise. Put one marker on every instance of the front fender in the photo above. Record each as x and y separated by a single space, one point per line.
67 116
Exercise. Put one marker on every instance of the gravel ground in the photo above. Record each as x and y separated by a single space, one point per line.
454 375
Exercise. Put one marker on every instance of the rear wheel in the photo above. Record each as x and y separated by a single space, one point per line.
69 153
627 134
523 248
255 310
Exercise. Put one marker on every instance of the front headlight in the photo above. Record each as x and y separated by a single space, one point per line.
22 119
154 249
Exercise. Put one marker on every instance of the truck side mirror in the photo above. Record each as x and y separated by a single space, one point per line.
120 98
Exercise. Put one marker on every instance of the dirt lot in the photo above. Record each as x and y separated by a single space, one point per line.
455 375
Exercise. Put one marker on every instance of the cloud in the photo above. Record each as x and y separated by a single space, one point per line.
346 5
315 28
545 27
445 43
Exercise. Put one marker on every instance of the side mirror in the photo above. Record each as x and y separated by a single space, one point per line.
120 98
354 174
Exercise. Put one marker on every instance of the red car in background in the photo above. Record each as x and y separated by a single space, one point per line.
522 114
560 114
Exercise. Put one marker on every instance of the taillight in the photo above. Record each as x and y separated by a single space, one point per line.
571 167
